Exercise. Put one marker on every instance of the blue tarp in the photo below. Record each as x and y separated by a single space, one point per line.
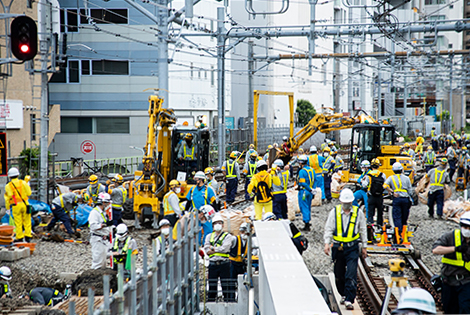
83 211
39 206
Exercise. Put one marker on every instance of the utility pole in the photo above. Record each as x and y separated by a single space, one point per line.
405 101
311 42
250 87
44 119
379 96
451 58
221 82
464 105
350 64
163 51
336 73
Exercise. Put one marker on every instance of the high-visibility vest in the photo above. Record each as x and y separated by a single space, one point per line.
315 163
284 182
123 250
437 182
458 261
433 133
192 198
188 155
349 236
398 187
167 208
124 197
218 244
329 159
230 173
429 160
310 176
240 256
251 169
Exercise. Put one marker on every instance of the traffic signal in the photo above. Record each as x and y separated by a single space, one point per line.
24 38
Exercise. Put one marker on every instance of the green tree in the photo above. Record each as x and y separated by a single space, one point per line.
305 112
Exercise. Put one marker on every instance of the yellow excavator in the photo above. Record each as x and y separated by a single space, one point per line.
373 140
160 163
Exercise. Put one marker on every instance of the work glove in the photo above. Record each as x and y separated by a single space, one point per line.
462 248
313 191
109 223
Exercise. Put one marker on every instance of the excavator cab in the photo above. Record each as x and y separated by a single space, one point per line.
184 168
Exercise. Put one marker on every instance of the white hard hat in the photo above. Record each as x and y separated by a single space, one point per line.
261 163
417 299
269 216
313 148
200 175
465 219
12 172
103 197
5 273
217 218
121 231
243 227
397 166
163 222
346 196
303 159
278 163
420 134
208 211
284 138
365 163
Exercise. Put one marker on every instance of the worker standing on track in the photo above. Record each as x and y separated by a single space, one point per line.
188 152
16 196
279 191
118 197
409 151
217 245
93 190
455 272
61 207
328 168
363 181
339 163
171 203
249 169
429 158
434 139
452 158
346 226
99 231
332 146
5 277
231 170
419 143
437 177
376 180
316 162
294 162
306 184
261 184
463 139
122 244
400 186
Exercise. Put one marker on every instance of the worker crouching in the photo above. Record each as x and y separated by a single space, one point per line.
61 207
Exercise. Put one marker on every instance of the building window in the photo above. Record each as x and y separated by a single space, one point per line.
29 4
85 67
109 67
116 16
83 16
434 2
94 124
437 17
76 125
450 46
112 124
72 20
74 71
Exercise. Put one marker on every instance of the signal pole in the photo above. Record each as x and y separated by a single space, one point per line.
44 41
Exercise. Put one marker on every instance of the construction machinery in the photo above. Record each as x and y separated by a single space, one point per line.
160 163
372 139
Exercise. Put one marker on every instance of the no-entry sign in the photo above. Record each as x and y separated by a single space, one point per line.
87 146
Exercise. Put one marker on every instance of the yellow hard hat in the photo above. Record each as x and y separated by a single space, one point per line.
253 154
174 183
375 162
117 178
453 142
301 150
444 160
233 155
93 179
407 145
464 148
334 152
429 147
208 170
270 147
188 136
326 149
252 146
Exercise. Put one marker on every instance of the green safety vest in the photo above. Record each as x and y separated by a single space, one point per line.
339 235
458 261
218 244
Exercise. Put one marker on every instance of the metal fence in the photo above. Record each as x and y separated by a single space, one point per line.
121 165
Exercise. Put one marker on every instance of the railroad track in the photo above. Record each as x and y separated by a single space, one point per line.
372 287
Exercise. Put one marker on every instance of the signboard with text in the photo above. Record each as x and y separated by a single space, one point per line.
11 114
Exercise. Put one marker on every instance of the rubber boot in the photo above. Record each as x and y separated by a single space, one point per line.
306 227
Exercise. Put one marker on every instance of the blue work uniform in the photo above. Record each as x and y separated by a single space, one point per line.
200 196
306 182
316 162
232 174
362 193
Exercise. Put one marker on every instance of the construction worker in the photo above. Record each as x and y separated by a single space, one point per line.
409 151
450 138
419 143
376 180
251 150
464 139
46 296
306 183
163 239
443 141
16 196
266 156
61 207
211 181
217 245
316 162
294 161
171 203
238 254
280 191
437 177
231 172
434 139
261 185
429 158
462 163
5 277
457 139
452 157
415 301
354 157
332 146
188 152
328 168
324 144
122 243
345 229
400 186
363 181
94 188
199 196
286 145
249 169
100 230
118 196
455 272
339 163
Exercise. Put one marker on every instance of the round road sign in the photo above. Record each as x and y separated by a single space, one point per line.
87 146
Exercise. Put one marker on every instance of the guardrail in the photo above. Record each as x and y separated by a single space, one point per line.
121 165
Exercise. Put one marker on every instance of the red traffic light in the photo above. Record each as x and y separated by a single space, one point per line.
24 38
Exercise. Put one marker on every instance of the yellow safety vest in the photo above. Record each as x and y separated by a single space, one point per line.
310 177
192 199
124 197
339 234
327 161
102 215
218 244
167 208
251 170
284 182
123 250
436 181
433 133
240 257
188 155
429 158
230 167
398 187
458 261
314 163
